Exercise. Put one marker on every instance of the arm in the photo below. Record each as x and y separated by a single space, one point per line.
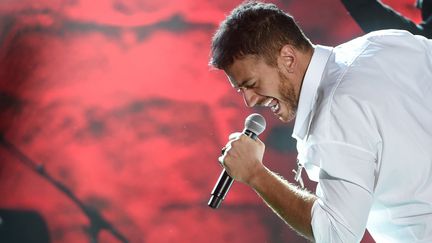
372 15
338 213
243 161
426 27
290 203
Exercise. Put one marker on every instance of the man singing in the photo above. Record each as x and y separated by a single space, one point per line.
363 125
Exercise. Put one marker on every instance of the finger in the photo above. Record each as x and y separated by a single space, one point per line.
221 160
235 135
227 147
258 140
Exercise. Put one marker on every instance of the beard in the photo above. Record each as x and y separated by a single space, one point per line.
289 97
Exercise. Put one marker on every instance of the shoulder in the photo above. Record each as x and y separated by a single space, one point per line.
391 39
384 55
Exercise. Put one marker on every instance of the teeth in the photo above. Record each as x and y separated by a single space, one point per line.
267 103
275 107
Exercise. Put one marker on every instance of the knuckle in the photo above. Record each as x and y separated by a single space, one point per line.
226 162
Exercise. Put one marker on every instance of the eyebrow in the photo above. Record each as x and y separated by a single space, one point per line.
242 83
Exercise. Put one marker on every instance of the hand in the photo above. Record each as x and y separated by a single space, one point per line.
243 157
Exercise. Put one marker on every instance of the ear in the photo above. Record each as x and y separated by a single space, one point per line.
287 58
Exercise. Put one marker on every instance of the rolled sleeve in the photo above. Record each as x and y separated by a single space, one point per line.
345 175
341 211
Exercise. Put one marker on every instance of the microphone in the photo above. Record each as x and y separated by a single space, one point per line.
254 126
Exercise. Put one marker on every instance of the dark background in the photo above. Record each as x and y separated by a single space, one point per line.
115 101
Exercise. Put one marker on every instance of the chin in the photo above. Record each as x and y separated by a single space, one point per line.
286 118
283 120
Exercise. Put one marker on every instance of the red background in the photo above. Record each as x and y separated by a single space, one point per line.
116 100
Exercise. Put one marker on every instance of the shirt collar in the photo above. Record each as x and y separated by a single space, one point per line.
308 91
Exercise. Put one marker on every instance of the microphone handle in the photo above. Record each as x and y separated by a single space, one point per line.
220 190
224 182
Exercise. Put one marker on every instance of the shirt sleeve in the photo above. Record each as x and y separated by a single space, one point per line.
344 191
341 211
341 152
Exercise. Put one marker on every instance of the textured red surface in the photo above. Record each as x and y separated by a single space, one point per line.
116 100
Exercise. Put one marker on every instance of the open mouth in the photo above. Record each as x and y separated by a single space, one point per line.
275 108
273 104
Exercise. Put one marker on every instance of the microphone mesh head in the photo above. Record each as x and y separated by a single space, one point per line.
255 123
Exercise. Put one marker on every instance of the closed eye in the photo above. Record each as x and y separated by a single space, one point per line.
250 85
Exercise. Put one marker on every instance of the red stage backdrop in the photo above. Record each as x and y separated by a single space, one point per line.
111 121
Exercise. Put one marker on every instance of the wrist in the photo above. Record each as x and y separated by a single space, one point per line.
259 173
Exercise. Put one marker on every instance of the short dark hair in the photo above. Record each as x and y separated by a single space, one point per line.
255 28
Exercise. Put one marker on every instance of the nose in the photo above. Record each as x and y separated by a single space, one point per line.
250 97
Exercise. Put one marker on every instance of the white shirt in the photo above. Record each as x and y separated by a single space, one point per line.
364 133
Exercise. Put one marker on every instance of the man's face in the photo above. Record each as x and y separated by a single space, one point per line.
264 85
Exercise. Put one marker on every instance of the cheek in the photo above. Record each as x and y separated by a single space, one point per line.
285 88
288 94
